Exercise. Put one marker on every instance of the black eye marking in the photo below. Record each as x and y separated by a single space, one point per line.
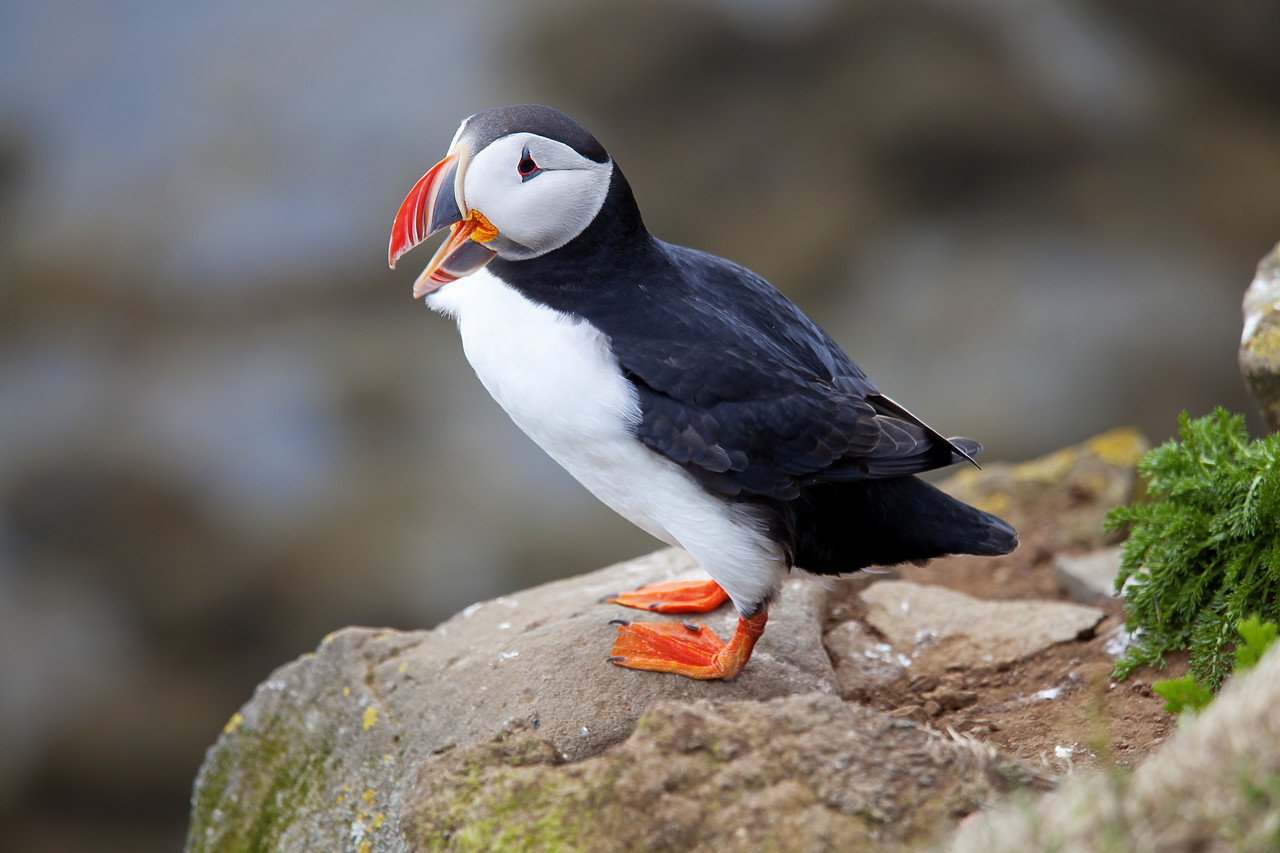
526 167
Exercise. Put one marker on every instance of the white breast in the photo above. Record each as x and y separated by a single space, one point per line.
558 380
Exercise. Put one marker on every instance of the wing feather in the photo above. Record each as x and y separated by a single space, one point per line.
751 397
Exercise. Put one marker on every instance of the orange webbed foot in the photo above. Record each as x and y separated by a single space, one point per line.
674 597
685 648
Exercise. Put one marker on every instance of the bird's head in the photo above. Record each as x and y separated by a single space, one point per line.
518 182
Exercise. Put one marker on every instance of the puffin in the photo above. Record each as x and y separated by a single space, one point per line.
681 389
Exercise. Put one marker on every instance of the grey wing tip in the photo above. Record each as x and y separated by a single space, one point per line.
965 450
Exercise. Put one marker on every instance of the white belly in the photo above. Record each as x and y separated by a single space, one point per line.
556 377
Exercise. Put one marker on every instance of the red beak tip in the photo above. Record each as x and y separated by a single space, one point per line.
396 250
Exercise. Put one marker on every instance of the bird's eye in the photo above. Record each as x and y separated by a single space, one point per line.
526 167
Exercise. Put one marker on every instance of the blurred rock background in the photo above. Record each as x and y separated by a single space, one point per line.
226 429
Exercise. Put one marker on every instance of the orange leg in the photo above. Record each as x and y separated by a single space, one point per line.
685 648
674 597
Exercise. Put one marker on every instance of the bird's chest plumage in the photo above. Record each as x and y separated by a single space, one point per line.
553 374
557 379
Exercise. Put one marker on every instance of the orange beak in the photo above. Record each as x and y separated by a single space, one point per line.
435 202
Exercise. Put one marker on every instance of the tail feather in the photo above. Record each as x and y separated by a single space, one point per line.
964 450
841 527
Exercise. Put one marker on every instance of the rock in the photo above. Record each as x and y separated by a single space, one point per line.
937 624
336 735
803 772
1064 495
1089 577
1212 787
1260 341
1232 42
506 723
863 663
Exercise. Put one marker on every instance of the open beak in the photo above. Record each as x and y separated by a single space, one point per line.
435 202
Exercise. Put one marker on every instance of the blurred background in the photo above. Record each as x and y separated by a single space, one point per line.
226 429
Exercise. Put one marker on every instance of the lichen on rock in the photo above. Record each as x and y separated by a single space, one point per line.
362 712
803 772
1260 341
299 769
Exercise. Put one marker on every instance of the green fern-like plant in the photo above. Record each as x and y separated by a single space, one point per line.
1187 694
1183 694
1203 550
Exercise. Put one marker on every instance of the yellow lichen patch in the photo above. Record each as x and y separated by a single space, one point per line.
377 820
370 717
233 723
1120 447
366 846
368 796
346 691
404 664
1047 469
1264 343
382 635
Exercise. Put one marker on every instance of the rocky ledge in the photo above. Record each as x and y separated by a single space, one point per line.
876 712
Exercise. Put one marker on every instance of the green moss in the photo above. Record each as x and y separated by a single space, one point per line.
1265 344
500 812
252 786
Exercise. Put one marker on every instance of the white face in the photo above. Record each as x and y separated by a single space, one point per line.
537 192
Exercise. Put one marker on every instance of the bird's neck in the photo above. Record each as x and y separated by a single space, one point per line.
613 248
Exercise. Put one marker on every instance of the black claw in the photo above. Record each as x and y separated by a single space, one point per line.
606 598
654 606
692 627
623 622
616 659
